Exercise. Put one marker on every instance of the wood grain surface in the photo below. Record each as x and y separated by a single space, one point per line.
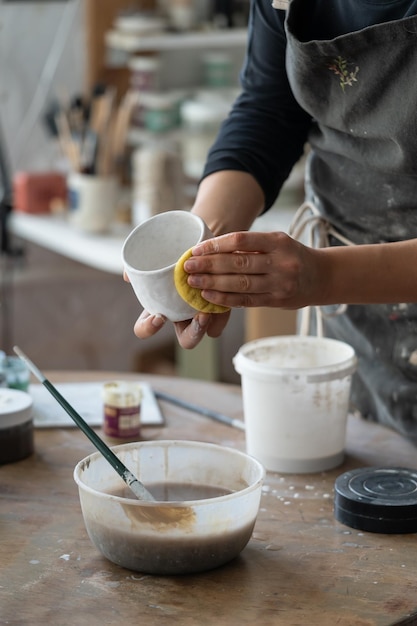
301 566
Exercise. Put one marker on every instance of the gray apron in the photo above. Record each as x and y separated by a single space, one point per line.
361 90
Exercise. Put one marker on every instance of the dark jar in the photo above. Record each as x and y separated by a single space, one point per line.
16 426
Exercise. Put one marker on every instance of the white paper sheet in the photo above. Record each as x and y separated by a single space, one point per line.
86 398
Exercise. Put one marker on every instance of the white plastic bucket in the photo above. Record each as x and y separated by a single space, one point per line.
296 393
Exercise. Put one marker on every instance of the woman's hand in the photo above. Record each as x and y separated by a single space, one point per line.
226 201
251 269
243 269
189 333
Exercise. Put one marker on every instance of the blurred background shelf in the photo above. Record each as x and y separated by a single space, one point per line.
65 299
109 48
195 40
102 252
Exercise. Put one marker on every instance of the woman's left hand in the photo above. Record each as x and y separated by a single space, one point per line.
252 269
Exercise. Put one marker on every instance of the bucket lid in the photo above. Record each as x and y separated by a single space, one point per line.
315 359
377 499
15 407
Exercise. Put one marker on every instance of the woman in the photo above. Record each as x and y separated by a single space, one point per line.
337 76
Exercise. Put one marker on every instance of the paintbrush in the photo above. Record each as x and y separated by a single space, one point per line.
218 417
113 143
69 147
131 481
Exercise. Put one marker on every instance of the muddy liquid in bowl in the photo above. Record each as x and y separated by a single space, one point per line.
175 492
160 551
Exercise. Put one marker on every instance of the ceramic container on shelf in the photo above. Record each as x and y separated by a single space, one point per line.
201 121
92 202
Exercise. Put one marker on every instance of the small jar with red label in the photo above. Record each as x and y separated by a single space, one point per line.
122 404
144 73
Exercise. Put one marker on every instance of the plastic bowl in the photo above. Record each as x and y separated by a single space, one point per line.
181 536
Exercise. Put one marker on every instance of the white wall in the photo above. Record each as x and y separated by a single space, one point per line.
42 53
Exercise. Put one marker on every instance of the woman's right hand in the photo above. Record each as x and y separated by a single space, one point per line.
189 333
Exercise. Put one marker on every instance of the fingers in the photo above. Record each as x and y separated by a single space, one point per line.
227 263
217 324
250 269
190 333
237 253
148 324
243 241
239 300
243 281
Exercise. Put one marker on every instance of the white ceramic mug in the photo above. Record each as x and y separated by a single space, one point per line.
92 202
150 254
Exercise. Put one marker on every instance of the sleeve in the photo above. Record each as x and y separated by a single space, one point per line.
266 130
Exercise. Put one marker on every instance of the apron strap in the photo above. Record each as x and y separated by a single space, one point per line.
309 222
280 4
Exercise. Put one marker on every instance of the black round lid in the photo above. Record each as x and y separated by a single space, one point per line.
377 499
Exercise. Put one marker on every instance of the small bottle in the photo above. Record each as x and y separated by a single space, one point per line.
201 122
160 111
158 180
217 69
16 372
144 78
144 73
122 401
181 14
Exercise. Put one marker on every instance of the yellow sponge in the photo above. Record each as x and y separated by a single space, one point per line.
192 295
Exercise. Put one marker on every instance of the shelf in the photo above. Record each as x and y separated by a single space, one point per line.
103 252
227 38
138 136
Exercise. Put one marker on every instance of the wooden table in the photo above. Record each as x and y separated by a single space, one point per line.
301 567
